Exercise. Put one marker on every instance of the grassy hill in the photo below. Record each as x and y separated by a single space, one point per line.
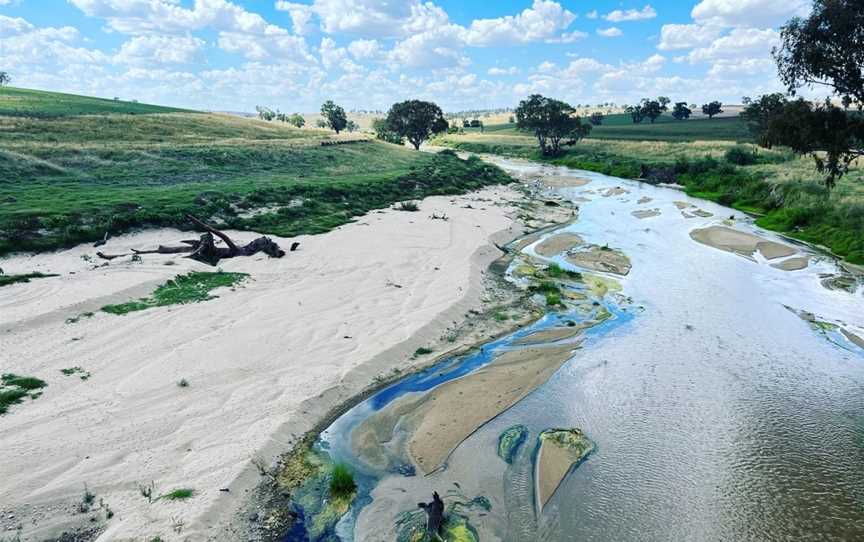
66 179
665 128
21 102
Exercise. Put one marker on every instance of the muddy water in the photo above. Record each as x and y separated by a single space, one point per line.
717 410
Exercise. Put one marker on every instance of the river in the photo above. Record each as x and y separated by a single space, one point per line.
723 397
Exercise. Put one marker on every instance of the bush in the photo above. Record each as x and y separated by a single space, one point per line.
342 481
410 206
742 156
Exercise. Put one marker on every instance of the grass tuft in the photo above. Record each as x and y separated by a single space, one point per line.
342 481
191 288
6 280
179 494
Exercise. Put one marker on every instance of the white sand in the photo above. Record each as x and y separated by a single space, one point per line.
264 362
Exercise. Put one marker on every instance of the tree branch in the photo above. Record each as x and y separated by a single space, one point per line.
215 232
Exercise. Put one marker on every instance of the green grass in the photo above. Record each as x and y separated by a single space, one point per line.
342 481
666 128
21 102
785 192
14 388
6 280
191 288
69 179
179 494
422 351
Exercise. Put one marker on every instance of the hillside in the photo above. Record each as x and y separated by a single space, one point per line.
21 102
67 179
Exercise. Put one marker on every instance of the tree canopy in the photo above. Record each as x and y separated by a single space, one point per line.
681 111
297 120
551 121
334 116
712 108
5 78
416 121
825 49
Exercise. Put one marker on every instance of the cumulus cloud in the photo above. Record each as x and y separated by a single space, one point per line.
364 49
542 21
618 15
592 14
160 50
377 18
301 16
611 32
512 70
686 36
752 13
741 42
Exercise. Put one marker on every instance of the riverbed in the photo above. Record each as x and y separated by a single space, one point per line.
722 389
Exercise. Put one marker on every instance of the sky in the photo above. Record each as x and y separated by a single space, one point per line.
231 55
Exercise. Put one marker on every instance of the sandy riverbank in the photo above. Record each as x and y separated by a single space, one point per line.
264 362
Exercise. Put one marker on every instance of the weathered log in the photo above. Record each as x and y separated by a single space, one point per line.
110 257
102 241
434 516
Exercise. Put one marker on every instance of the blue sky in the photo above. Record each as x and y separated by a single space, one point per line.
366 54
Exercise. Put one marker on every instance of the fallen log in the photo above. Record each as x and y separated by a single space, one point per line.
205 249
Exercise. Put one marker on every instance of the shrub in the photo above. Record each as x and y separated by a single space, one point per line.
741 156
410 206
179 494
342 481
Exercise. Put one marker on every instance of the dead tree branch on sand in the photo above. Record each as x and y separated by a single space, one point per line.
205 250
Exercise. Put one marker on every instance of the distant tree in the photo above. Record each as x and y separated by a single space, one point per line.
826 49
512 119
475 123
596 119
681 111
5 78
382 132
664 102
416 120
334 115
297 120
761 113
636 113
712 108
746 100
651 109
551 121
352 126
265 113
321 123
466 123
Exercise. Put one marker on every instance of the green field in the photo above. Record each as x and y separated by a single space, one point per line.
21 102
784 191
665 128
69 179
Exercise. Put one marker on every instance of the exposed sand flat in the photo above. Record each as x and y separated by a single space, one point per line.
645 213
440 420
551 335
793 264
560 449
702 213
739 242
563 181
644 199
853 338
263 362
616 191
683 204
601 259
557 244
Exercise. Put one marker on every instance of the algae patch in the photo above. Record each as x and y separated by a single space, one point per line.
509 442
560 451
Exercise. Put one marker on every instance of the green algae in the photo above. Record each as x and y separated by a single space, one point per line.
510 440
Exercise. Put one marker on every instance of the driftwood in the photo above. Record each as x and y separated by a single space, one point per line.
434 516
205 250
102 241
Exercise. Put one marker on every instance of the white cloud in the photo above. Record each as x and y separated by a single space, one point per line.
378 18
364 49
741 42
25 46
434 49
154 49
592 14
277 44
610 32
546 67
512 70
301 16
686 36
618 15
569 37
752 13
543 20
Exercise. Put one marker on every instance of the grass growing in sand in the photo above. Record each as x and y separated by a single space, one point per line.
14 388
6 280
180 494
68 179
191 288
785 192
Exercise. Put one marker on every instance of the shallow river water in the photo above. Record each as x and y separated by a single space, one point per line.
718 413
